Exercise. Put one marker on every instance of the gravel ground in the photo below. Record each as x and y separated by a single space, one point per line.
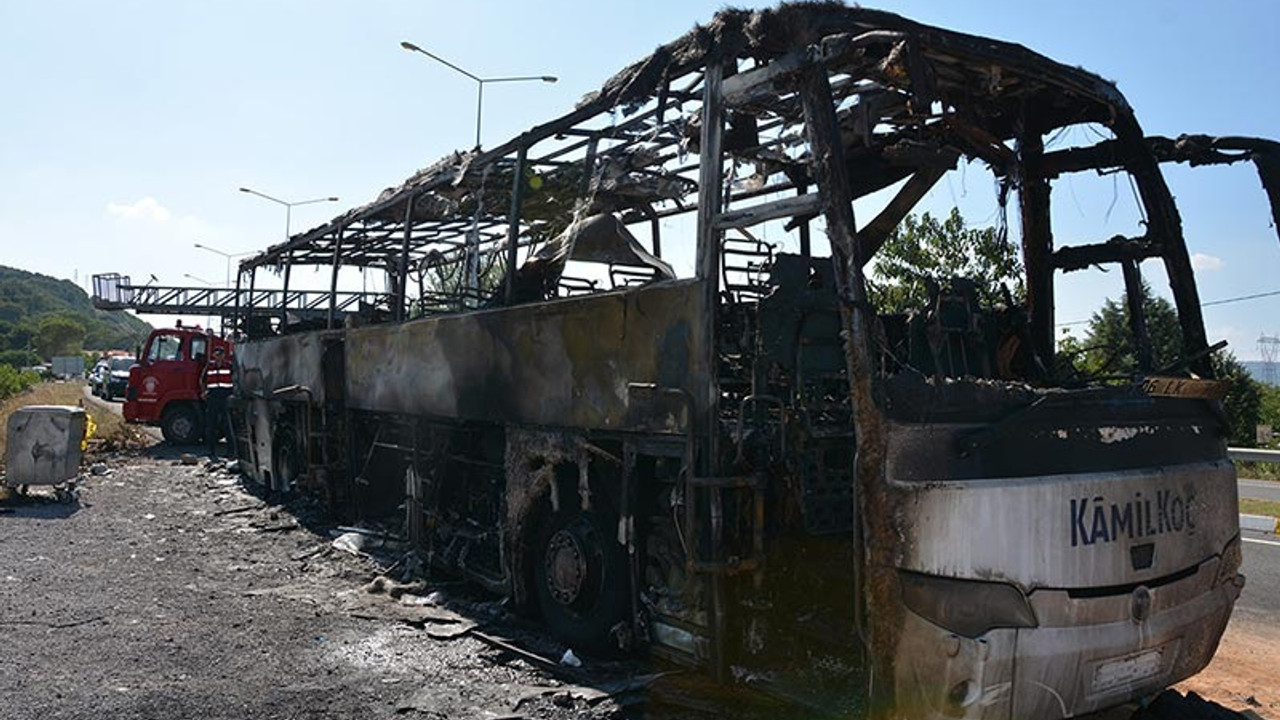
171 591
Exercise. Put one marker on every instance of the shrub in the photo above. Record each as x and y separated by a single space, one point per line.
14 381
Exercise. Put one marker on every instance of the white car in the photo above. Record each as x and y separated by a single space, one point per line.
98 378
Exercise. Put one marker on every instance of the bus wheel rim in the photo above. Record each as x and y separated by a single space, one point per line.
567 569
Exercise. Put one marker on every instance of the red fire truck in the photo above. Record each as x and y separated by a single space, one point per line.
164 387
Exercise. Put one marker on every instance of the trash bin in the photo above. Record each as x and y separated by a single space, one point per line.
44 445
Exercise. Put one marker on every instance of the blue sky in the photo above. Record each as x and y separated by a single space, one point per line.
128 126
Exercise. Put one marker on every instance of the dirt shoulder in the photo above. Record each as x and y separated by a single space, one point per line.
1245 672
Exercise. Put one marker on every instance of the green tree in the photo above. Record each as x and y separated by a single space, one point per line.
1108 349
10 312
58 335
1243 403
442 284
1269 411
923 249
21 336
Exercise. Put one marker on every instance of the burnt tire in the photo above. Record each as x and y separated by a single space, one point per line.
581 580
286 463
182 425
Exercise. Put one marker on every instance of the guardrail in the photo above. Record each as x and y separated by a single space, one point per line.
1257 523
1253 455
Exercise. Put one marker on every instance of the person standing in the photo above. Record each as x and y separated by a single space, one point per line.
215 385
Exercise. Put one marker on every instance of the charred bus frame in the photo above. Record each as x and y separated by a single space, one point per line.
719 466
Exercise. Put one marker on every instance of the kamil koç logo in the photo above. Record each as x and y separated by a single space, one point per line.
1096 520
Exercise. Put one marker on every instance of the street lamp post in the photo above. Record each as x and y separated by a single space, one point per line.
228 256
226 279
480 82
288 206
208 319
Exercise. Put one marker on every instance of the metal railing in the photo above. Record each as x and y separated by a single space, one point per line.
1253 455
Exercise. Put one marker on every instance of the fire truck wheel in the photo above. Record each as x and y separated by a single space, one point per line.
181 425
581 579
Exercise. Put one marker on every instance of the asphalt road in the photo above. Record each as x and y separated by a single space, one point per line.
1260 599
1259 489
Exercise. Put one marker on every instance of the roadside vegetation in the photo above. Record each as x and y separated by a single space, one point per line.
1251 506
14 381
1258 471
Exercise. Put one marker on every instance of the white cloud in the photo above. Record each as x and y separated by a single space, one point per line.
148 208
1206 263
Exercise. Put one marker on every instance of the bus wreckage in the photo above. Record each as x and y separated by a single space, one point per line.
744 466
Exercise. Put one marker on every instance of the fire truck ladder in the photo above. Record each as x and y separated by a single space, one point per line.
112 291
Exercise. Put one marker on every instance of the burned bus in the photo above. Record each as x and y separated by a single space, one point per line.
626 371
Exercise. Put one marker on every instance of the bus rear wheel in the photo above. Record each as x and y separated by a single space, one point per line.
581 580
286 461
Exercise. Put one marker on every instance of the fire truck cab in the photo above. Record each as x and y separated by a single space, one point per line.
164 387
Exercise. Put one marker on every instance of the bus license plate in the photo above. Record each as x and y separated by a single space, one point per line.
1126 671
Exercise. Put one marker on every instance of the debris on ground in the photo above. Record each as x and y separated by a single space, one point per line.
352 543
469 702
570 659
394 588
374 607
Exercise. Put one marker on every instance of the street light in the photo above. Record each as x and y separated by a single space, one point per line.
224 254
479 80
208 319
288 206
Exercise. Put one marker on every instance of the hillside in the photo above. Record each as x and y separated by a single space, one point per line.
34 308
